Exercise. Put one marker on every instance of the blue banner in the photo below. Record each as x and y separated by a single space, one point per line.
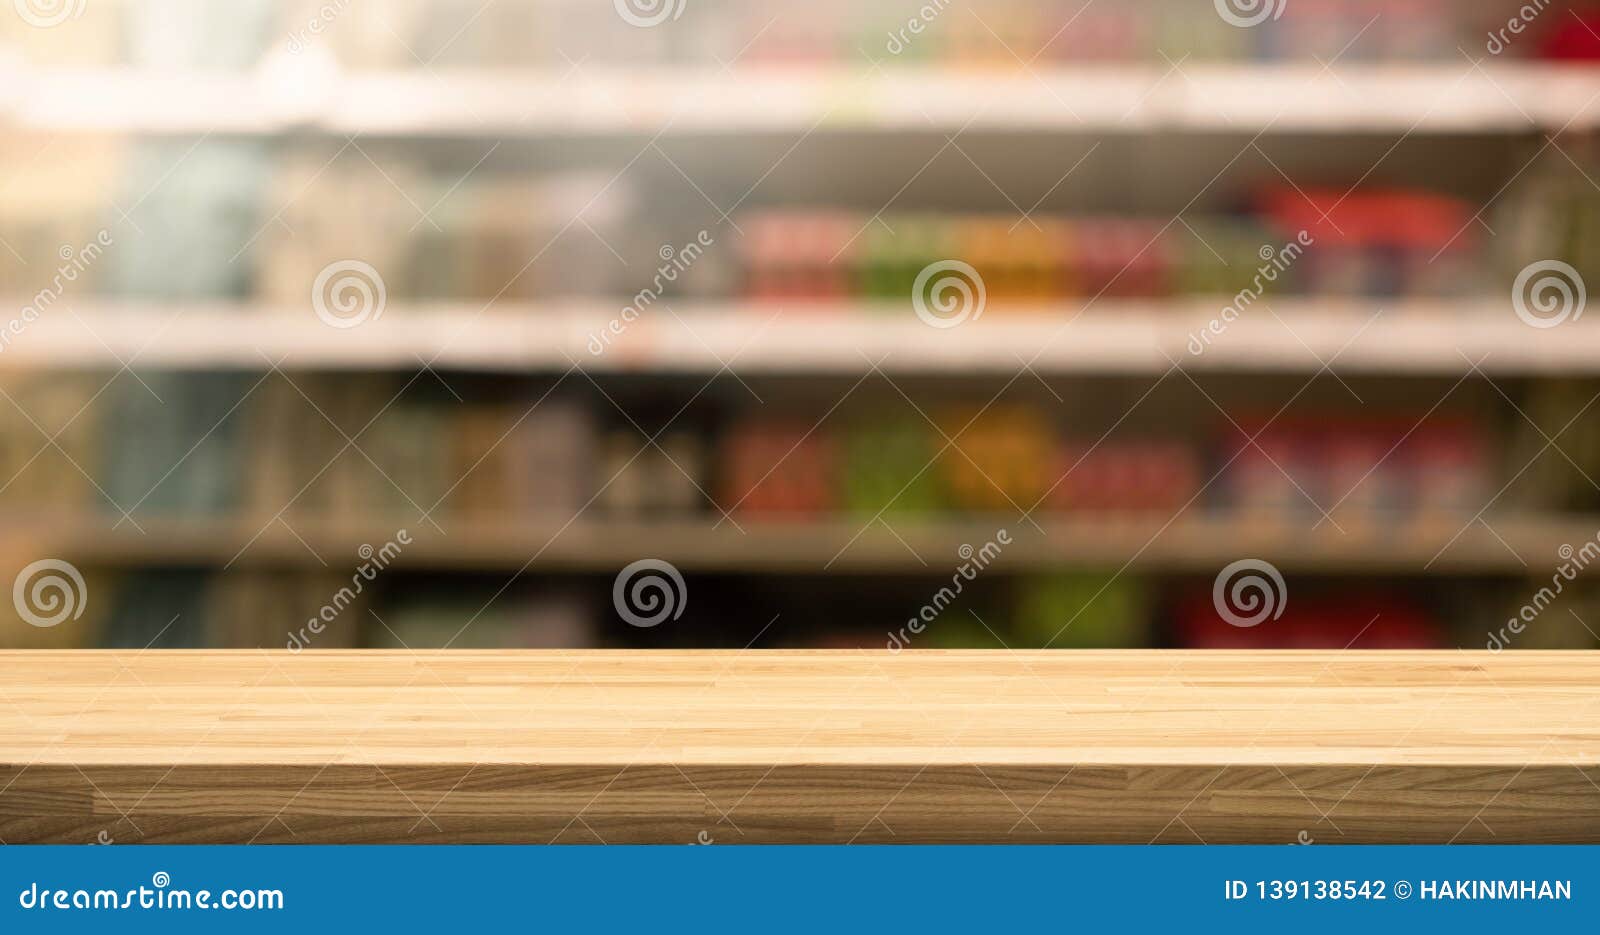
811 889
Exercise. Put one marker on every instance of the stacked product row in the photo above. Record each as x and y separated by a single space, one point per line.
384 450
1319 242
355 603
235 223
445 33
341 607
1014 458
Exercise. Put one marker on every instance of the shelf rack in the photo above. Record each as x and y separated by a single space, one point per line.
1422 337
1509 544
1438 98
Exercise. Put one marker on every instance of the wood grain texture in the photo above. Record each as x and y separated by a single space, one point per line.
799 746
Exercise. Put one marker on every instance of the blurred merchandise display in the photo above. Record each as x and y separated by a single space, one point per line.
307 443
1322 166
1358 470
1324 622
238 224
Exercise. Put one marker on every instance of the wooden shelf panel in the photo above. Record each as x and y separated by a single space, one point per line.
800 746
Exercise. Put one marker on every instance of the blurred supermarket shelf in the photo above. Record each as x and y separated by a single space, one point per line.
1197 542
306 94
1437 337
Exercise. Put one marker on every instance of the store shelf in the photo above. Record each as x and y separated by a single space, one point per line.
300 95
799 747
1440 337
1508 544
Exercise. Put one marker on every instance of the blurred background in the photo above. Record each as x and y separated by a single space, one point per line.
423 323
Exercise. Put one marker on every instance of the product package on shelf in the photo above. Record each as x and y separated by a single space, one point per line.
199 34
323 210
780 469
1081 611
531 465
1000 458
1543 477
251 608
56 227
1534 615
159 609
1331 622
1110 478
1551 212
1380 242
641 479
48 445
890 466
55 604
297 429
1364 473
193 209
177 446
537 618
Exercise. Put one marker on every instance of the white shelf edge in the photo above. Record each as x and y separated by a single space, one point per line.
1438 337
515 102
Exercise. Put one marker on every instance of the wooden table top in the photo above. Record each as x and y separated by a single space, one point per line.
1386 737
